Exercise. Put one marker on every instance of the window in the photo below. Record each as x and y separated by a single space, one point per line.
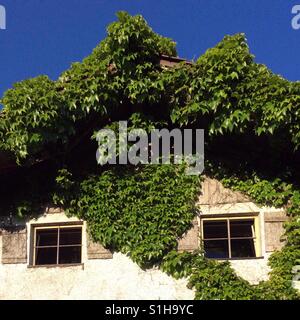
230 238
57 245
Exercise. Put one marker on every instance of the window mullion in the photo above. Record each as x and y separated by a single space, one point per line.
229 242
34 247
58 239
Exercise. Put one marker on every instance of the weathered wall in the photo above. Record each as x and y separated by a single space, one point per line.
117 278
107 276
102 276
217 201
252 270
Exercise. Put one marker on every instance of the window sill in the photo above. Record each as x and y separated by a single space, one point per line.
237 259
57 266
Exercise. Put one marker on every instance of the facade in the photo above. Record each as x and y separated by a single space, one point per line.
52 257
234 227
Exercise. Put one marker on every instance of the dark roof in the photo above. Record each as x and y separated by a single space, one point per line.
169 61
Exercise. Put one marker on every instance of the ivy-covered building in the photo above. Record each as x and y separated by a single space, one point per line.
70 228
53 257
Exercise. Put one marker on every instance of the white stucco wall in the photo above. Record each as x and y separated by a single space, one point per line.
117 278
252 270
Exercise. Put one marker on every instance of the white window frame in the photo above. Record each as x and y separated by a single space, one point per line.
257 239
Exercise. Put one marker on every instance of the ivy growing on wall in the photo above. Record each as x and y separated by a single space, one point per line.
213 280
139 211
251 119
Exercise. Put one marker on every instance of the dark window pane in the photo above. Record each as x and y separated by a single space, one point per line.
69 255
241 228
46 256
46 237
242 248
69 236
217 249
215 229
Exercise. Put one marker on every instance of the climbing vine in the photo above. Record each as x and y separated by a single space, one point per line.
251 118
148 208
213 280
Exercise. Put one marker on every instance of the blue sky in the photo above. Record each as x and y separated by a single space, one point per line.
46 36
